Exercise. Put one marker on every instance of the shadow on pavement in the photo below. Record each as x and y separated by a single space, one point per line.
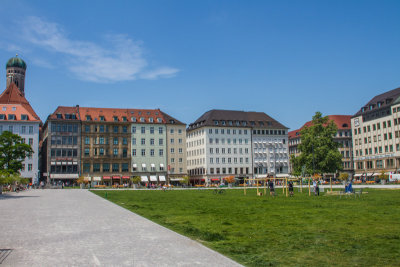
14 195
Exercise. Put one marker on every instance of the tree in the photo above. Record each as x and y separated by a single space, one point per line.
383 176
136 180
12 152
185 180
343 176
318 151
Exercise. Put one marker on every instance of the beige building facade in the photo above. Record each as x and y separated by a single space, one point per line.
376 136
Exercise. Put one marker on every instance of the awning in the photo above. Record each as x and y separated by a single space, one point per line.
281 175
143 165
87 178
162 165
370 174
134 165
358 175
125 177
97 178
153 165
144 178
153 178
162 178
215 179
116 177
106 177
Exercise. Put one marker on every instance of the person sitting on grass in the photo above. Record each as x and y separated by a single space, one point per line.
271 188
291 189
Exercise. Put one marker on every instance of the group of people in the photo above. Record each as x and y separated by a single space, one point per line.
271 187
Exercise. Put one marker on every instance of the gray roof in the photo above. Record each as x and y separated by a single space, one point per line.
250 119
386 99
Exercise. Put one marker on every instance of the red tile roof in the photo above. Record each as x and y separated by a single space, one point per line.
12 95
131 115
18 110
343 122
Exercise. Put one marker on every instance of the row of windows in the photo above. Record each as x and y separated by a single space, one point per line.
105 167
64 153
106 152
64 168
105 140
386 136
105 129
143 152
143 168
64 140
228 141
389 163
376 126
125 119
377 150
29 167
14 129
229 170
229 150
152 141
228 131
229 160
13 117
64 128
151 130
269 132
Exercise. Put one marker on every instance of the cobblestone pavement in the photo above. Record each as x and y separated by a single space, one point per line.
78 228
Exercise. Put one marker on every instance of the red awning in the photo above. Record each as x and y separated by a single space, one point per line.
106 177
116 177
214 179
125 177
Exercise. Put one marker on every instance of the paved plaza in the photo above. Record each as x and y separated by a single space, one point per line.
78 228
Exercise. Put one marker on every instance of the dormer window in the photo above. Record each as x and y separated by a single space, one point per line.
140 113
2 116
151 120
244 123
88 118
159 120
148 112
133 119
345 125
124 119
171 121
4 108
59 116
156 113
14 108
388 100
11 117
371 107
24 117
141 119
261 123
215 122
115 118
379 104
102 118
230 123
237 123
252 123
363 109
223 122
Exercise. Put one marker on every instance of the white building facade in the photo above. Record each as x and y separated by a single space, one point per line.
223 143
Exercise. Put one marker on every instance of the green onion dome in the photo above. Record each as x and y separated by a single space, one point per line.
16 62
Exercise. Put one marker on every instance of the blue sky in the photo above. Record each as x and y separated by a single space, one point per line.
285 58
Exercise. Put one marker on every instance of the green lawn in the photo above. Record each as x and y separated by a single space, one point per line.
280 231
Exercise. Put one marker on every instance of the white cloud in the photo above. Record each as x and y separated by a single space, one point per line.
119 58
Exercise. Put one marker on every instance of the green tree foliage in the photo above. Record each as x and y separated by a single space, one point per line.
12 152
343 176
317 142
136 179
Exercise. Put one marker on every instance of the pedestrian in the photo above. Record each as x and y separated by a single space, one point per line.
271 188
291 188
316 189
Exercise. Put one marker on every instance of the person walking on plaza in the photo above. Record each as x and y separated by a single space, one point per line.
316 188
271 188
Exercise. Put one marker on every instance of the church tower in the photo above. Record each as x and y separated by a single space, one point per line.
15 71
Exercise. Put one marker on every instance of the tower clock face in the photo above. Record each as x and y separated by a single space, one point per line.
356 122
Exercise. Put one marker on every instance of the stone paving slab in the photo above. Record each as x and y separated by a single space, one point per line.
78 228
